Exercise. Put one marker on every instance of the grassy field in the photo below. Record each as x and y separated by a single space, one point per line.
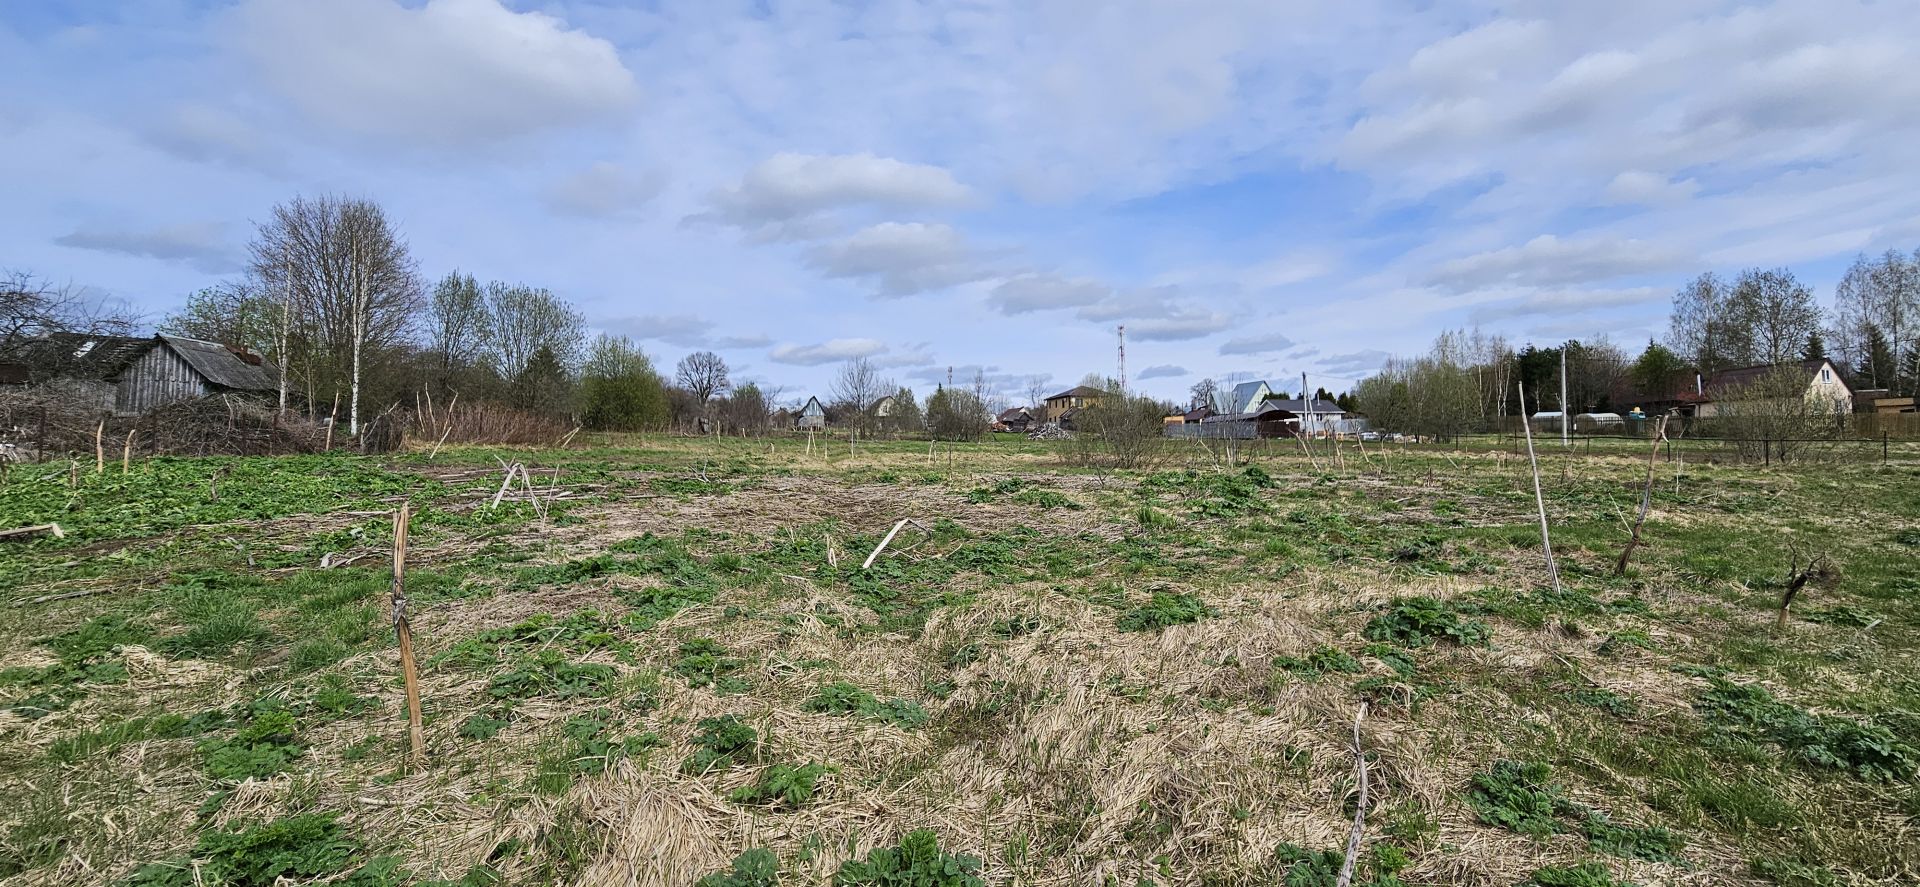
675 667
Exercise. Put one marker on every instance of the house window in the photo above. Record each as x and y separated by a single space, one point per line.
1826 375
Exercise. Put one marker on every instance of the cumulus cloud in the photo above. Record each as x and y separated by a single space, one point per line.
902 258
1162 371
1258 344
603 190
1547 260
1045 292
830 351
445 73
787 188
204 246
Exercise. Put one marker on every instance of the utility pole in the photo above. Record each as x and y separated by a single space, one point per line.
1306 402
1123 359
1566 417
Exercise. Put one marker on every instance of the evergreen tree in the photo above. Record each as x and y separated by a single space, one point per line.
1658 371
1816 347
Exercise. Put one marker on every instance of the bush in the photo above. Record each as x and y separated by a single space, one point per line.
917 861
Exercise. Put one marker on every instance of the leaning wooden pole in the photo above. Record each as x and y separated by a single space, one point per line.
99 448
1646 500
415 733
126 451
1539 499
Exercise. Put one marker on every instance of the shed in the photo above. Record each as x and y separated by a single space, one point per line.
130 375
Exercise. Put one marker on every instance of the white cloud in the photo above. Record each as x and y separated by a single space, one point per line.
1547 260
902 258
205 134
1650 189
603 190
445 73
1162 371
1045 292
1179 327
788 187
1565 303
830 351
1258 344
1356 363
684 330
202 245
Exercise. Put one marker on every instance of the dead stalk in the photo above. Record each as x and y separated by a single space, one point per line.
1646 500
1539 499
1360 808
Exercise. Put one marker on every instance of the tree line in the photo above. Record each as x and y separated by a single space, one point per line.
1761 317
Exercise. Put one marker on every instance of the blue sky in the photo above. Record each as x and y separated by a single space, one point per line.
1263 187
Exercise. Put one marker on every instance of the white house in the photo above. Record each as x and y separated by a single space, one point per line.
812 416
1825 391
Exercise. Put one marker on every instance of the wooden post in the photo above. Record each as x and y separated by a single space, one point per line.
126 451
332 413
415 734
99 448
1539 499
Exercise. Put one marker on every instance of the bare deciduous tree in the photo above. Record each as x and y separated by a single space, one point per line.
521 320
858 385
704 374
1877 322
349 285
457 325
31 307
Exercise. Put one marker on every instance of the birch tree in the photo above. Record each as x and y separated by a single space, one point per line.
349 285
1877 318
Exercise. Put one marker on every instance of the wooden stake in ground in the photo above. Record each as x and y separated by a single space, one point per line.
126 452
416 736
332 412
1539 499
99 448
1646 499
1359 808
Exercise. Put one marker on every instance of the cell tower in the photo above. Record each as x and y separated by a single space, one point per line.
1123 357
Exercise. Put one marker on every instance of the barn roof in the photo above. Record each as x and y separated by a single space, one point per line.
228 367
104 358
79 355
1725 381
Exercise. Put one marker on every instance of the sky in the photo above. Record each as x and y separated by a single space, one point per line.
1257 188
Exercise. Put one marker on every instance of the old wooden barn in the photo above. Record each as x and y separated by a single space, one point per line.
129 375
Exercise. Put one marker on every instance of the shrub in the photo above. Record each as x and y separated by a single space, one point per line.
1420 621
1165 609
917 861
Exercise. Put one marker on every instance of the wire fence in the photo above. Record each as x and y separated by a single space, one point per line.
1884 449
